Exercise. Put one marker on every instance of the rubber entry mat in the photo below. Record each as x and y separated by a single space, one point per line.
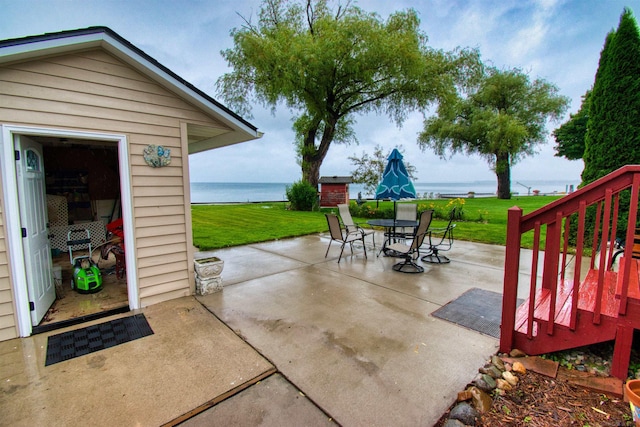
476 309
83 341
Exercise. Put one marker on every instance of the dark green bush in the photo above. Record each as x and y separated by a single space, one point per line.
302 196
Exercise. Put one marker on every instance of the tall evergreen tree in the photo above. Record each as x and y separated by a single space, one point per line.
613 130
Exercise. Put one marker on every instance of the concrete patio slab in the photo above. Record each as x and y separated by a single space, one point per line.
358 337
250 262
272 402
301 340
146 382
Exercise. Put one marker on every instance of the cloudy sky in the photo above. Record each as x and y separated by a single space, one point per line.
558 40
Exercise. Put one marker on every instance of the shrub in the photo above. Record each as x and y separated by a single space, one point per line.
458 205
302 196
368 210
445 212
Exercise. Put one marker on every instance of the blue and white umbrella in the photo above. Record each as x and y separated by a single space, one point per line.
395 182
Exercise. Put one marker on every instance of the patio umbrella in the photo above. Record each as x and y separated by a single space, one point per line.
395 182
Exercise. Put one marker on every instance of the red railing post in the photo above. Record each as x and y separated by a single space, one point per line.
551 266
511 270
552 253
602 262
628 248
575 294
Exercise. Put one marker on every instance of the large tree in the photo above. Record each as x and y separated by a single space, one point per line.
503 118
329 65
570 137
613 130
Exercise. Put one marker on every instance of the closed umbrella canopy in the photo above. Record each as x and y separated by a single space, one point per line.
395 182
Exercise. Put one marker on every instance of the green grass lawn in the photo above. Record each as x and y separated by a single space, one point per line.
219 226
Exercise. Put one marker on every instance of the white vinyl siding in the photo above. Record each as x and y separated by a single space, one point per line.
8 327
95 92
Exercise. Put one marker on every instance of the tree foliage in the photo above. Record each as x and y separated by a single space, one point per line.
503 118
329 65
613 134
369 168
570 137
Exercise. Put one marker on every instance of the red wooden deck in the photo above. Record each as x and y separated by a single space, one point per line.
564 310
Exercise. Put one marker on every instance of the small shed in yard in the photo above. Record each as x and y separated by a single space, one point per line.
93 129
334 190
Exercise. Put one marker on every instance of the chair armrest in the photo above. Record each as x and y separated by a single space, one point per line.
439 230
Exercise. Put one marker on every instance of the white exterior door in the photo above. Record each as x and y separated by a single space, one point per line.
34 223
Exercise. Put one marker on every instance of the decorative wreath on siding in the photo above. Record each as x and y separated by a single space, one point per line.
157 156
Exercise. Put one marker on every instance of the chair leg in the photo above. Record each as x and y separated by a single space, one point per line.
408 266
328 247
435 258
341 250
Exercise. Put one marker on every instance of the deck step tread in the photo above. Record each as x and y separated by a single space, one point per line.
589 293
564 303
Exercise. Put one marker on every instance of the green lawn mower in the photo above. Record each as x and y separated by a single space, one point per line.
87 277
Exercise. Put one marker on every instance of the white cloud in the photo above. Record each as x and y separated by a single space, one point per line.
556 40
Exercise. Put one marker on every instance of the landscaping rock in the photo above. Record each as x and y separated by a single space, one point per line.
503 384
464 396
485 383
517 353
519 368
497 362
481 401
453 423
464 413
510 378
492 370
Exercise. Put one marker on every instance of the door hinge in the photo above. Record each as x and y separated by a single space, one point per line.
24 232
32 306
17 155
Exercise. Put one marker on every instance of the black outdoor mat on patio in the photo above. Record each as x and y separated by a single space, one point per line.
476 309
76 343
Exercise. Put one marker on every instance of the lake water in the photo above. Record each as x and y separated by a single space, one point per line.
243 192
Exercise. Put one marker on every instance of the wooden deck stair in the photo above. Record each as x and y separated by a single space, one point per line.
572 235
586 332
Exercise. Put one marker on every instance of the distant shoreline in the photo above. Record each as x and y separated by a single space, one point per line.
239 192
442 196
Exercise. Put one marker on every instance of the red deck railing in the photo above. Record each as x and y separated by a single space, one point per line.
563 264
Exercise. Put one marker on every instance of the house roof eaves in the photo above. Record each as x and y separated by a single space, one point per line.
66 41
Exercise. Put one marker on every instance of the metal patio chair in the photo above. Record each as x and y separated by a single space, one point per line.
342 235
440 239
411 252
405 211
350 226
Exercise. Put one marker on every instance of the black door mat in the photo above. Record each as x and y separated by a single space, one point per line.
83 341
476 309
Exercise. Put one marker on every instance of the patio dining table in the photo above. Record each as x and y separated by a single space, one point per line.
390 226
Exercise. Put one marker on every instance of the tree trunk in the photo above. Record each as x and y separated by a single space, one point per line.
313 156
503 172
311 170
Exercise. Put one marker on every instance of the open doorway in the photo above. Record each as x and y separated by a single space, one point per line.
82 186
